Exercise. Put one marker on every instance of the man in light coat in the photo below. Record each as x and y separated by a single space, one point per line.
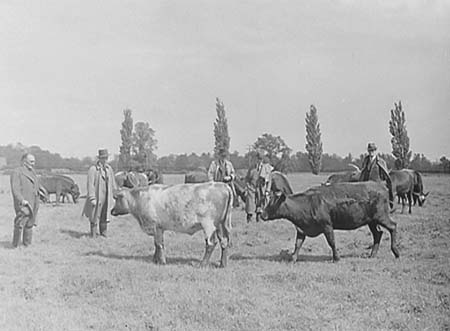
222 170
101 186
25 192
263 168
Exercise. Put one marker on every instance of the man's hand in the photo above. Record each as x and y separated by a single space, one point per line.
227 179
24 203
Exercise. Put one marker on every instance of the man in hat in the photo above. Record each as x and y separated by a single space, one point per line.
222 170
374 168
25 192
101 185
263 168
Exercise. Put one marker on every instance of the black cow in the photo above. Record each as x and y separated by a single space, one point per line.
403 185
196 176
418 195
59 185
344 206
131 179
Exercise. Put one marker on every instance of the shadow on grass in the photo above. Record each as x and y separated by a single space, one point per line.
75 234
287 257
147 258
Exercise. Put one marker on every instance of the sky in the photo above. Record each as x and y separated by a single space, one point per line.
68 69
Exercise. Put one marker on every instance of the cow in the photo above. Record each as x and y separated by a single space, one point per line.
131 179
343 206
197 176
185 208
418 195
59 185
403 186
344 177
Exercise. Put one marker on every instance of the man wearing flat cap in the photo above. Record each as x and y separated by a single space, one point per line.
374 168
100 190
25 192
222 170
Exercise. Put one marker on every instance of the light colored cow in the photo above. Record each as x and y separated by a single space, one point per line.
185 208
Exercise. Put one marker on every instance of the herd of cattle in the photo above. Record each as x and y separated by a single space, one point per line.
341 203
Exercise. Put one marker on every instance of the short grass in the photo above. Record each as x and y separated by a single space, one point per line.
66 281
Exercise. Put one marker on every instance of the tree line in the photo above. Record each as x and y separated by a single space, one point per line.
138 145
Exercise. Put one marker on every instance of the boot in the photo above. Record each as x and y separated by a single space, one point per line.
27 236
16 237
249 218
94 230
103 228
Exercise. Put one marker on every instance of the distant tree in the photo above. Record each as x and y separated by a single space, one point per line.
445 164
313 141
221 136
273 145
126 134
144 143
400 139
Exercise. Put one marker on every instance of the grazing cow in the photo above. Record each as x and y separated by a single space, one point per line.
418 195
185 208
345 177
344 206
59 185
403 185
131 179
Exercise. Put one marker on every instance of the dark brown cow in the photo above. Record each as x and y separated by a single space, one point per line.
403 186
59 185
344 206
185 208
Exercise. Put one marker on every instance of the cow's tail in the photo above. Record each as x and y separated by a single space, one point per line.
226 218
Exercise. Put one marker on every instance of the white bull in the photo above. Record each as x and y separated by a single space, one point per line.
185 208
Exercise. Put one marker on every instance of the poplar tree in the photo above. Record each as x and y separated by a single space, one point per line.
313 141
126 134
400 139
221 136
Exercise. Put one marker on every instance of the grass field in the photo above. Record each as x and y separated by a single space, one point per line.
67 281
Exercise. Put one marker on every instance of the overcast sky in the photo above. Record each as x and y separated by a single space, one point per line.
69 68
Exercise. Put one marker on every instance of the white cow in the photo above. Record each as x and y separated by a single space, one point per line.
185 208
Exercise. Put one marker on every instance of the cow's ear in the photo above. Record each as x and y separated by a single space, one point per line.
281 196
118 194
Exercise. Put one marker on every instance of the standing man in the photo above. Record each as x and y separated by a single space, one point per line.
251 181
374 168
222 170
25 192
100 190
264 169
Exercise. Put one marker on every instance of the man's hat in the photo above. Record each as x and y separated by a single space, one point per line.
222 152
103 153
371 147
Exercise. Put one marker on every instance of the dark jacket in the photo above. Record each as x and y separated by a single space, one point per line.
25 186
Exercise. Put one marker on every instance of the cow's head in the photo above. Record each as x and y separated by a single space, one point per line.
121 203
420 197
273 203
75 192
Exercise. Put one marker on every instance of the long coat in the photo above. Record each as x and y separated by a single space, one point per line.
25 186
376 170
217 173
96 191
250 189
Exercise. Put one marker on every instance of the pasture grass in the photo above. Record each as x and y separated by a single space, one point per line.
67 281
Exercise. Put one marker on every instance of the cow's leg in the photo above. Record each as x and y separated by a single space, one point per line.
298 244
409 195
211 241
391 226
329 235
376 238
159 256
223 236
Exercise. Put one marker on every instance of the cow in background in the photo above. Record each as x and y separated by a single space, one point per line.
131 179
345 177
60 185
185 208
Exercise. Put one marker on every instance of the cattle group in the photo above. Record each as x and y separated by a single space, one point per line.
341 203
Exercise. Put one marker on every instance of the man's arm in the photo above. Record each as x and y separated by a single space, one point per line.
16 186
211 171
90 195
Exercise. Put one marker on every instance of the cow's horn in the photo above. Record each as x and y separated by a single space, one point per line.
426 194
354 166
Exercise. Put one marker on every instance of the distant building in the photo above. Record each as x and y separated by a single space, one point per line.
2 162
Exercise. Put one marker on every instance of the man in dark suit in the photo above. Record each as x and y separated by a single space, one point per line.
25 192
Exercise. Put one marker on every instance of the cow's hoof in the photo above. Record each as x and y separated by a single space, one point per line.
293 258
